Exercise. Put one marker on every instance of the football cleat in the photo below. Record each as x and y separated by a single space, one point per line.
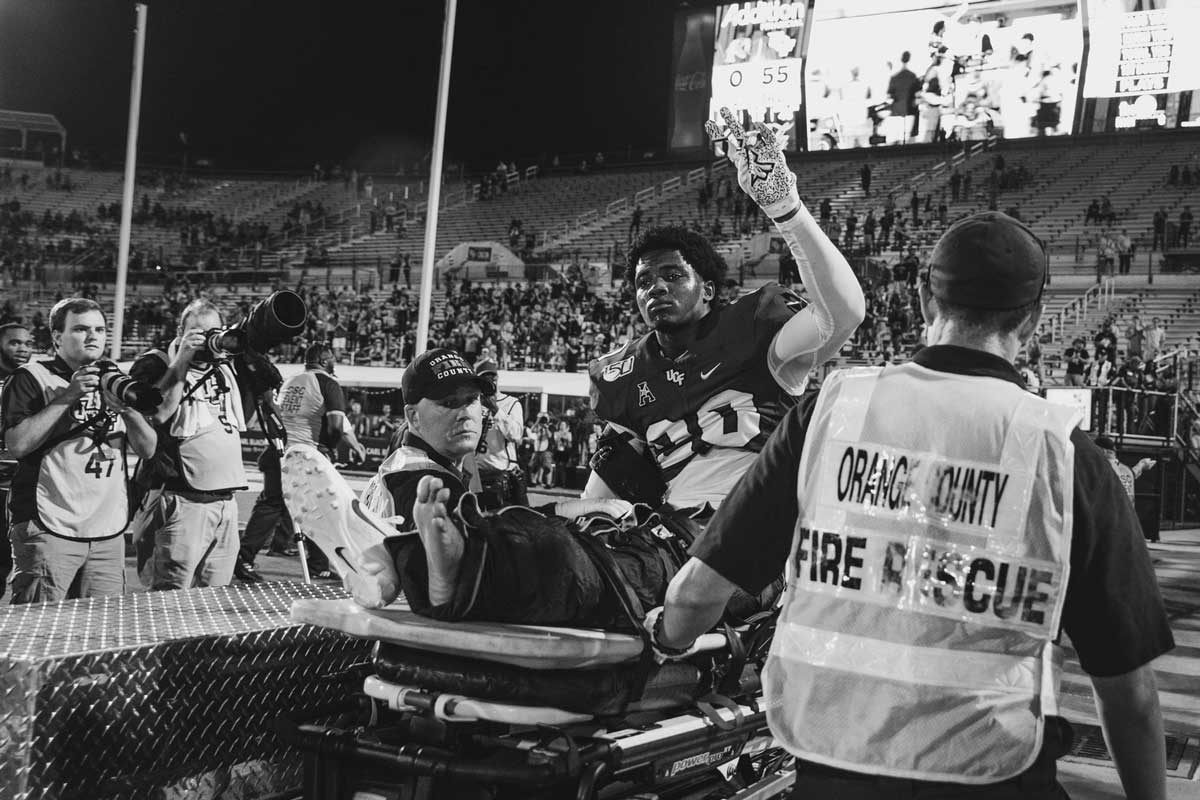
349 535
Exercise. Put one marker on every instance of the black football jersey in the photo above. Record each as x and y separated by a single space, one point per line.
716 402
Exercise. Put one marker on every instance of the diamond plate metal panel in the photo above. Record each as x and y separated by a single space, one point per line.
164 694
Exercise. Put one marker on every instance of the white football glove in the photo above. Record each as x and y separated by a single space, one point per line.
763 172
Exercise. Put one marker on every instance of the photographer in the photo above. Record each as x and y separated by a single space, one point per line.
190 535
499 470
69 501
313 410
541 462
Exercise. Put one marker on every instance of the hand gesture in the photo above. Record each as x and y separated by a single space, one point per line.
1145 464
358 453
762 170
84 380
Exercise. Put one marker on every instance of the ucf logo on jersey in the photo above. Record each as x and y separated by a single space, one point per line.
88 406
675 377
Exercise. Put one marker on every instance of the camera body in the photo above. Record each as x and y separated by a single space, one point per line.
143 397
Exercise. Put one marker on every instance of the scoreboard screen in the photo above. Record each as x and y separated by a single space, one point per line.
758 72
1143 52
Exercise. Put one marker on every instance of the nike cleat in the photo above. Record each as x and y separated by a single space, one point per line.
325 509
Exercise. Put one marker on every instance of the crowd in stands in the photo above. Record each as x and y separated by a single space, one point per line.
170 183
1128 354
556 325
1183 176
8 181
923 218
28 242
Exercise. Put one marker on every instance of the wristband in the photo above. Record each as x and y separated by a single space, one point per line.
656 639
789 215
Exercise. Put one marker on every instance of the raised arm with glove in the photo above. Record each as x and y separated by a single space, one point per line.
836 304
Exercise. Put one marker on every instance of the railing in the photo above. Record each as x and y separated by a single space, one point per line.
1123 413
959 157
1186 408
625 205
1101 295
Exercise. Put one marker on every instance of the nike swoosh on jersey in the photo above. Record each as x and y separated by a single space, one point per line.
705 373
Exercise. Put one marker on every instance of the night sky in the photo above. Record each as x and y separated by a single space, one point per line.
280 84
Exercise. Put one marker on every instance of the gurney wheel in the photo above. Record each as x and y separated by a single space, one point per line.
589 781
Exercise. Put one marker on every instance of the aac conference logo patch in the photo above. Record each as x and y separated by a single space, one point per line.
617 370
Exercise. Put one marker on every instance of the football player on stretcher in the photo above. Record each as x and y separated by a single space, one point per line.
596 562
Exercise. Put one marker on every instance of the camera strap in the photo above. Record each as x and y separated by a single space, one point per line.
275 434
72 433
213 370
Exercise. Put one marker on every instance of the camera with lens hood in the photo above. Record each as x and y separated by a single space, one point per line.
278 319
143 397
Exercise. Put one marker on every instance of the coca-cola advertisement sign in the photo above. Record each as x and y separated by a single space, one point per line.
692 62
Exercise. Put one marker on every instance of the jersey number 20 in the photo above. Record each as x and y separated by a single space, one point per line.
727 419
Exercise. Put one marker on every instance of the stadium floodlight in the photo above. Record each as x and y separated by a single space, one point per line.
435 181
135 108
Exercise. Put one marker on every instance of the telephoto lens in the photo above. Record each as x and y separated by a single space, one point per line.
225 342
278 319
143 397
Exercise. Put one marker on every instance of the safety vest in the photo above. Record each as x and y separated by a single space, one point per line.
378 498
81 484
207 430
927 577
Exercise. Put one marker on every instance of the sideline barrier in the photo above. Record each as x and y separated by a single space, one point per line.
165 694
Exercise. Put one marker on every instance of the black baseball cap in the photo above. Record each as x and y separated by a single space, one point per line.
436 374
486 367
1105 443
988 261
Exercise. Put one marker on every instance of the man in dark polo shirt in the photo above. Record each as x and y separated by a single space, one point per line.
16 345
934 560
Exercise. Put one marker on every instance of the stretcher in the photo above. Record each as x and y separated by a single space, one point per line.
492 710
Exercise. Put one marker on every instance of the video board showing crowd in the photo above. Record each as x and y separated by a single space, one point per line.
949 71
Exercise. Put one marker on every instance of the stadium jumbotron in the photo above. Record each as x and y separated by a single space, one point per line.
268 275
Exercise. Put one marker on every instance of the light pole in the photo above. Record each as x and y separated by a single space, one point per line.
135 107
435 181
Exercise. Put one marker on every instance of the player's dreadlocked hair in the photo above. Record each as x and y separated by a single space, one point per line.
694 248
